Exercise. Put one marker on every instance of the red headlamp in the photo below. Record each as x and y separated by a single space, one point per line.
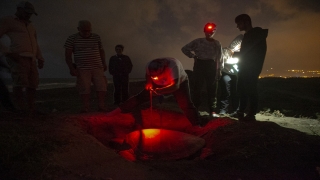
210 27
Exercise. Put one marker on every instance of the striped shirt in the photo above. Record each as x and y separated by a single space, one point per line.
86 51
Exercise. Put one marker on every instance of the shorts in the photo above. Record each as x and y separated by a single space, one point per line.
86 77
24 73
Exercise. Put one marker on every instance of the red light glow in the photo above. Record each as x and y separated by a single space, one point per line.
210 27
163 144
155 78
151 133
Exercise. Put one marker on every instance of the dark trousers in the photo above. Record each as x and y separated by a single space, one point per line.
121 88
229 99
5 97
182 96
204 72
248 92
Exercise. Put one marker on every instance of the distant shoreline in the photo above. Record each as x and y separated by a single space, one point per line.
53 83
8 81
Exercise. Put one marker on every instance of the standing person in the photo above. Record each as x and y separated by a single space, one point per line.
228 87
23 55
164 76
251 58
89 64
206 53
229 100
120 67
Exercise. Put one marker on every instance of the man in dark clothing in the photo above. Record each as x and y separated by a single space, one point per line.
251 58
120 67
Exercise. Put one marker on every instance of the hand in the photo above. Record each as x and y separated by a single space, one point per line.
73 72
104 67
148 87
40 64
230 51
155 91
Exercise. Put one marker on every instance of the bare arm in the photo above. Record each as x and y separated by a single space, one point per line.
68 58
148 85
168 89
103 59
188 49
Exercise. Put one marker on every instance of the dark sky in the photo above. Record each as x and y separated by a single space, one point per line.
159 28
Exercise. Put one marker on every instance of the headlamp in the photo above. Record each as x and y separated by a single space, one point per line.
154 77
210 27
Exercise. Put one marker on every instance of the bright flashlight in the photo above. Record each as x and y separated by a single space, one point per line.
232 61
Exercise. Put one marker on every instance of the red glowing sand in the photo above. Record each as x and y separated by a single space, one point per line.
162 144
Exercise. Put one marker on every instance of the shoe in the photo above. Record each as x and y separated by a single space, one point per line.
213 114
238 115
234 114
223 113
114 112
248 118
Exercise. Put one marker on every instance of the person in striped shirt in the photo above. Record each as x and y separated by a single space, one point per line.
89 64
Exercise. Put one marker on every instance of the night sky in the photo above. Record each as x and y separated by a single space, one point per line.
159 28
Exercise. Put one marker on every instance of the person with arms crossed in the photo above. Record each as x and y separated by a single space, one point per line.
89 64
23 55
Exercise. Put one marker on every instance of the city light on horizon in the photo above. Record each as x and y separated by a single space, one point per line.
291 73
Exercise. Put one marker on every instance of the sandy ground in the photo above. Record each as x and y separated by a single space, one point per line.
86 157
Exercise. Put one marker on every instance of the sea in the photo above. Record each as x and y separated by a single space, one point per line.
53 83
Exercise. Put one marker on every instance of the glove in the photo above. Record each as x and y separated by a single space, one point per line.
148 87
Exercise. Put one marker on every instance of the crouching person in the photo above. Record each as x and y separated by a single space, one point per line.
164 76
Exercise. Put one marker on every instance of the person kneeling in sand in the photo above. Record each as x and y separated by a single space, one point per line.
164 76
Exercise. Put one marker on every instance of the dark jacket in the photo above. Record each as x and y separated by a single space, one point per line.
120 65
253 51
